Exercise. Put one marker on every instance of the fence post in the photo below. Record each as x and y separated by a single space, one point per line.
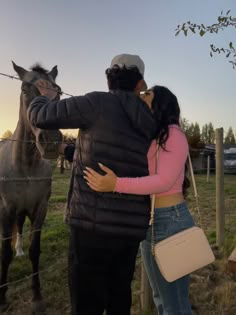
62 160
208 168
147 303
220 211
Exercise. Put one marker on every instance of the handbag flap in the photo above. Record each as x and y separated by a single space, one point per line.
183 253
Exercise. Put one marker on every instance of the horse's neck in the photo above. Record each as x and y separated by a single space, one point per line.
24 149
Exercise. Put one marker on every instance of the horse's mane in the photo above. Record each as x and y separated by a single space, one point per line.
38 68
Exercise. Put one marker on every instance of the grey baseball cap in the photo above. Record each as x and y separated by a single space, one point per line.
130 61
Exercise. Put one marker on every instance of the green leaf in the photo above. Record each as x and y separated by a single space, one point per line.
213 48
201 33
192 29
230 45
177 33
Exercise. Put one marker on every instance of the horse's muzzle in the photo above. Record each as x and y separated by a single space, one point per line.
48 143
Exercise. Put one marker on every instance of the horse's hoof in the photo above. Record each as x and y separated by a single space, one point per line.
38 307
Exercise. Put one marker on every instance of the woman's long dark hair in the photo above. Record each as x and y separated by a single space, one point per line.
166 110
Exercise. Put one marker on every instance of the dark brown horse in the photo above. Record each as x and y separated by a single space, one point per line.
25 183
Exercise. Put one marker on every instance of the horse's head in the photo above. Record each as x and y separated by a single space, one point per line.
46 140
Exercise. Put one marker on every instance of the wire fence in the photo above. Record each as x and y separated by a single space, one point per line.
220 303
215 282
13 236
32 141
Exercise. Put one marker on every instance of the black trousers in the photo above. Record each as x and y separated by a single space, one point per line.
100 274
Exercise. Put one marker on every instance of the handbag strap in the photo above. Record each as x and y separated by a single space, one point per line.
195 191
153 198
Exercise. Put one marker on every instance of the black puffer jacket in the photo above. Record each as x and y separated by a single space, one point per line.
116 129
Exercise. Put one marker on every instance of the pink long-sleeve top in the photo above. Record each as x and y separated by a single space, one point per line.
167 177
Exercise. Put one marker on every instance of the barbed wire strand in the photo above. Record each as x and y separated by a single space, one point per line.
33 141
34 231
16 78
26 278
47 225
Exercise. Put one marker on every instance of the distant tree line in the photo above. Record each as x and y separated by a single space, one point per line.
7 134
199 137
68 138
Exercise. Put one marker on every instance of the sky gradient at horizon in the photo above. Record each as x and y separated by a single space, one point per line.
81 37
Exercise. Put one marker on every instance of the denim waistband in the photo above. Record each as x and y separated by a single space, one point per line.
179 207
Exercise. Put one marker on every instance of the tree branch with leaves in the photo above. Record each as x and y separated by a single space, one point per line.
223 21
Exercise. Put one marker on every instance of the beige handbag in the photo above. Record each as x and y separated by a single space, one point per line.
184 252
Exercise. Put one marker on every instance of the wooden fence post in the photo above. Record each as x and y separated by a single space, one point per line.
208 168
147 303
62 160
220 211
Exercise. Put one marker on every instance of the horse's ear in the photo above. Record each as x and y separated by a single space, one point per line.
53 72
19 70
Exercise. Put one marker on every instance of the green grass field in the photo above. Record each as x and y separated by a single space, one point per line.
213 290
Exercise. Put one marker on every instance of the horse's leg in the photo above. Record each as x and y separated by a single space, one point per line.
34 254
14 235
6 259
19 241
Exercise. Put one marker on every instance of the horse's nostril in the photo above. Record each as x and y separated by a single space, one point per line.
48 143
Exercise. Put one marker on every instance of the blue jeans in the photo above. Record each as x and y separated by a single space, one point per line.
170 298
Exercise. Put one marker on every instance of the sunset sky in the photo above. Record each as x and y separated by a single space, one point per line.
82 36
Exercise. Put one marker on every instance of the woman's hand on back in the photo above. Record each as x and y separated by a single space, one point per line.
98 182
